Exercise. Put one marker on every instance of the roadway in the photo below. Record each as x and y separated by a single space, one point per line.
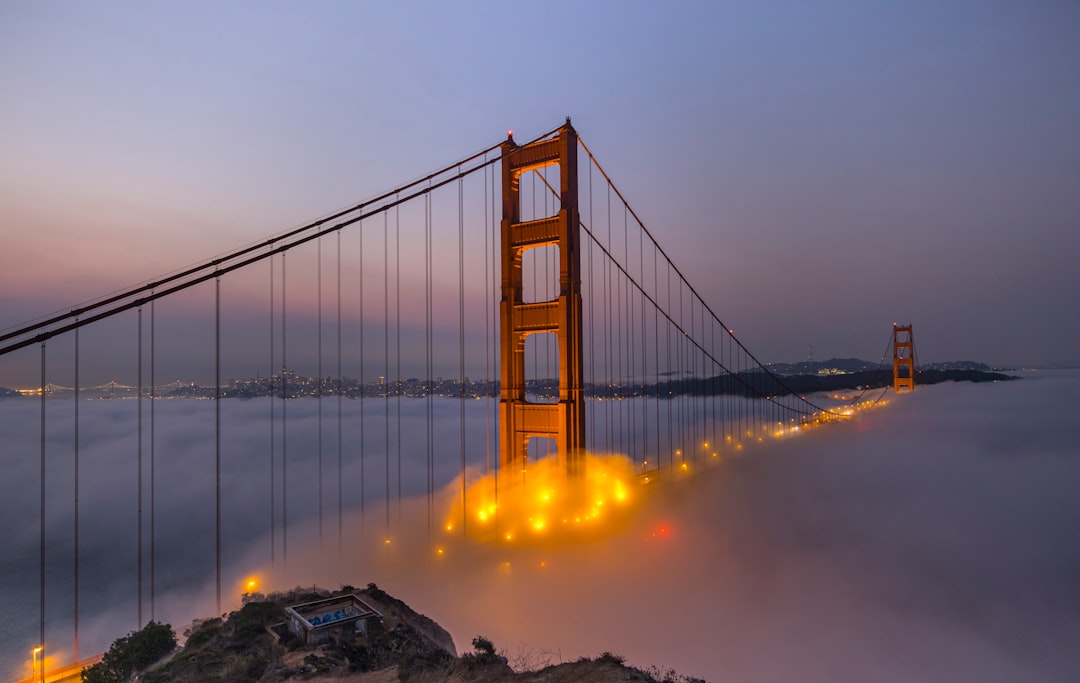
72 673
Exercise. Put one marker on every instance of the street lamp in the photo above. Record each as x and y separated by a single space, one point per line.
34 654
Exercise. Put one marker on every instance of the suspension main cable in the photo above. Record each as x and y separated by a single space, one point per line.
679 327
693 291
219 264
130 292
671 263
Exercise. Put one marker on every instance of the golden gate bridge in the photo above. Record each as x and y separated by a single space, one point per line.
511 287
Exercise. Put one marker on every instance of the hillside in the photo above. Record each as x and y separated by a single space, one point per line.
254 644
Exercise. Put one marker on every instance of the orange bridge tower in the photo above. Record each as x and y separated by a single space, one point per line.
519 419
903 364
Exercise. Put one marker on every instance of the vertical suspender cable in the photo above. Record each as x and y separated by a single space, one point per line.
461 338
153 435
319 380
496 278
284 421
592 313
273 390
431 350
428 234
692 385
691 442
631 338
728 388
531 255
618 330
644 353
739 396
607 330
217 438
386 362
656 349
677 396
397 342
363 383
706 423
680 360
487 329
75 557
722 380
337 389
41 541
744 394
139 451
711 384
671 377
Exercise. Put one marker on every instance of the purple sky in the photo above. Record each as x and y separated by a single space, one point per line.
817 172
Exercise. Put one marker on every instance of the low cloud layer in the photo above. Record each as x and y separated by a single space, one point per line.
932 539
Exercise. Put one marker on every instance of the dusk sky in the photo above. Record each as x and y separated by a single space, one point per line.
817 171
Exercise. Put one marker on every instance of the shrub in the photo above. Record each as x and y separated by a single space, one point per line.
132 653
611 659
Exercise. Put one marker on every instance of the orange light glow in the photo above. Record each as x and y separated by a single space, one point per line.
545 505
660 531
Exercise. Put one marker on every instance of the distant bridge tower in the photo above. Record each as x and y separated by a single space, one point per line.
903 364
521 420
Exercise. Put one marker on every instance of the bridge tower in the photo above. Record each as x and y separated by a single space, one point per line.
903 357
521 420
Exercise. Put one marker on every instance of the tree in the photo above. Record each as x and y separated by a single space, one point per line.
483 646
132 653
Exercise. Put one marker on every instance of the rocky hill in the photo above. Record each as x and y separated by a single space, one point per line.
254 643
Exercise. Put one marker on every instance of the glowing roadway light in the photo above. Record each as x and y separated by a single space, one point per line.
550 504
34 654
